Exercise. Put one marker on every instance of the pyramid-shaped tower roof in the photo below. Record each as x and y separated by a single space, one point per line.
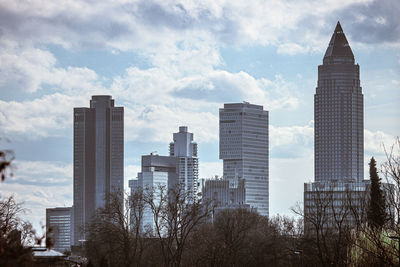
339 46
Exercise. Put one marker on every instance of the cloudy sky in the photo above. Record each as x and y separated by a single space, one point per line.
172 63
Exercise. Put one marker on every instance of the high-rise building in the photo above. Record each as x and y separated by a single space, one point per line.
185 150
179 168
339 154
59 220
157 173
154 163
338 114
243 147
98 158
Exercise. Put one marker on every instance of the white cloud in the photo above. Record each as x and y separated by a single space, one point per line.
292 49
157 122
39 185
23 69
160 27
223 86
28 69
374 142
293 136
380 20
42 173
50 115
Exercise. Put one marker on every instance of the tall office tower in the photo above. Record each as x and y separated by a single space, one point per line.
59 220
338 114
243 147
185 150
338 151
98 158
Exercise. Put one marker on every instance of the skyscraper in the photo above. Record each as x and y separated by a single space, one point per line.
157 171
339 154
185 150
338 114
98 158
243 147
180 167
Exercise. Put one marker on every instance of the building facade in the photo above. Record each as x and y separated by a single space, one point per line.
185 150
157 173
337 197
243 147
60 221
223 193
338 114
335 204
180 168
98 158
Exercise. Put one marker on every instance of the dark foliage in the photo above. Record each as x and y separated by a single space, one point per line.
13 233
376 209
6 158
243 238
113 237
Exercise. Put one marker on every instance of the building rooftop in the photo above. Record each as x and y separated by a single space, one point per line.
338 46
44 252
242 105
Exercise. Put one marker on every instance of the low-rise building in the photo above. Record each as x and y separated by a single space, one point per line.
334 204
59 227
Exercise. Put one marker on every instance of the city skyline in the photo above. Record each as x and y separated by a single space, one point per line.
203 56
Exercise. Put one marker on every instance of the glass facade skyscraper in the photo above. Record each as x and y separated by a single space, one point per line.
98 158
179 168
243 147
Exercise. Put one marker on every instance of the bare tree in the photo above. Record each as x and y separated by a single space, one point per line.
391 171
332 212
379 246
240 237
15 234
176 213
114 237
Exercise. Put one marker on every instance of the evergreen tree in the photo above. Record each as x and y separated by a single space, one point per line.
377 209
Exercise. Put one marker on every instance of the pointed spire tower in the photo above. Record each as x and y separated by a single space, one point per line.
339 50
338 114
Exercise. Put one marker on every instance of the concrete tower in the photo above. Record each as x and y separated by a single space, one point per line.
338 114
98 158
